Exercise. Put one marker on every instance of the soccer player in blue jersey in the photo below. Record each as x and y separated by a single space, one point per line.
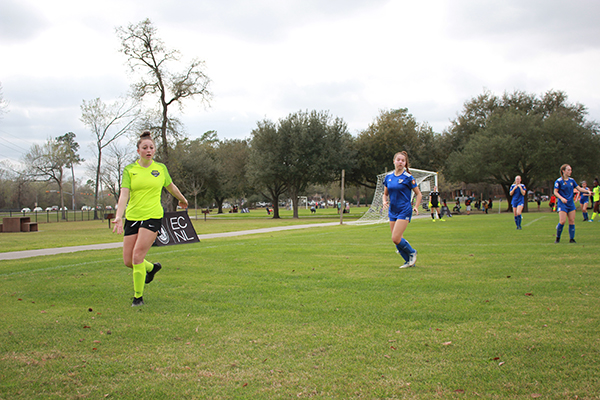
564 188
518 191
397 196
584 200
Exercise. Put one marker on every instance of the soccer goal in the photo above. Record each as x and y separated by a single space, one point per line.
376 214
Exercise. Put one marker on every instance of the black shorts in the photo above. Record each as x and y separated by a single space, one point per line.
132 227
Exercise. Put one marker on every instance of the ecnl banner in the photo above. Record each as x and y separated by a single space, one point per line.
176 229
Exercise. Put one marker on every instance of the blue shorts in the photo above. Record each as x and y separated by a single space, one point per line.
403 215
584 200
560 206
522 204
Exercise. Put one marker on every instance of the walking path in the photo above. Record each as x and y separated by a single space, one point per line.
14 255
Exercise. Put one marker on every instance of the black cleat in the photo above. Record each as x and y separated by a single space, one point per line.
137 301
150 275
572 241
557 240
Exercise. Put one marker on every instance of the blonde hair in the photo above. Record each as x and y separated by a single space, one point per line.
405 154
145 135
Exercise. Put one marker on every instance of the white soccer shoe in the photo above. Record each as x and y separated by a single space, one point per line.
406 264
413 259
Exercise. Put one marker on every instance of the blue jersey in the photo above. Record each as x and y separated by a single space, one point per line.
517 198
566 188
400 191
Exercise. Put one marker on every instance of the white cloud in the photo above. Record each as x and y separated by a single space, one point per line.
268 58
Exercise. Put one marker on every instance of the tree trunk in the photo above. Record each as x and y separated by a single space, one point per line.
506 190
294 194
275 202
163 127
97 182
219 201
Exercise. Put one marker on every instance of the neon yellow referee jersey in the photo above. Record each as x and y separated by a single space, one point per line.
596 194
145 187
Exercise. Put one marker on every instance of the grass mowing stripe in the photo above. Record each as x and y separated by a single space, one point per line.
33 271
535 220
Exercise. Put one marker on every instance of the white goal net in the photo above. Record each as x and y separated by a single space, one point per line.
377 213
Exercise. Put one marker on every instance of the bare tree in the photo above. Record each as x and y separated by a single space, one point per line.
108 122
49 162
118 157
147 54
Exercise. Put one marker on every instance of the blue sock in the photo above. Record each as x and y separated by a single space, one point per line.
520 219
402 252
585 216
559 229
572 231
517 221
406 246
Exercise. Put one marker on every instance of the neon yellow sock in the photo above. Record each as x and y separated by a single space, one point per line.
139 279
594 215
149 266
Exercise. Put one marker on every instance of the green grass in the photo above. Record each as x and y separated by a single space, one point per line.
489 312
91 232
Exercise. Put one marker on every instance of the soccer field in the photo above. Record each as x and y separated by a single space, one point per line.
488 312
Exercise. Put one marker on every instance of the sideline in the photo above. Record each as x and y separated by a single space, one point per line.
14 255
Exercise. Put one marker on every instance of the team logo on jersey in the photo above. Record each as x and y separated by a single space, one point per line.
155 173
400 180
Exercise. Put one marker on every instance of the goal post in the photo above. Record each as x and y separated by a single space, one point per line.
376 213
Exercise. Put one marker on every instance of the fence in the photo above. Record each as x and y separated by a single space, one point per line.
57 216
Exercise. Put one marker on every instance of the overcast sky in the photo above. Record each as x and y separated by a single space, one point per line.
269 58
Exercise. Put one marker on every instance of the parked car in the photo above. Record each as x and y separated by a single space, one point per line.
85 208
38 209
48 208
64 209
54 208
109 208
26 209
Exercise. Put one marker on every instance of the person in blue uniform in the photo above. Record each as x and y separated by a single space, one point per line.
518 191
397 193
584 200
564 188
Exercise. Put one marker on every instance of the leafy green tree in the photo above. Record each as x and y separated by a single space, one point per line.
68 140
302 149
319 148
194 167
520 134
391 132
267 162
230 159
147 54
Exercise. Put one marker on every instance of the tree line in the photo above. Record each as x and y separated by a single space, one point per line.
492 139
